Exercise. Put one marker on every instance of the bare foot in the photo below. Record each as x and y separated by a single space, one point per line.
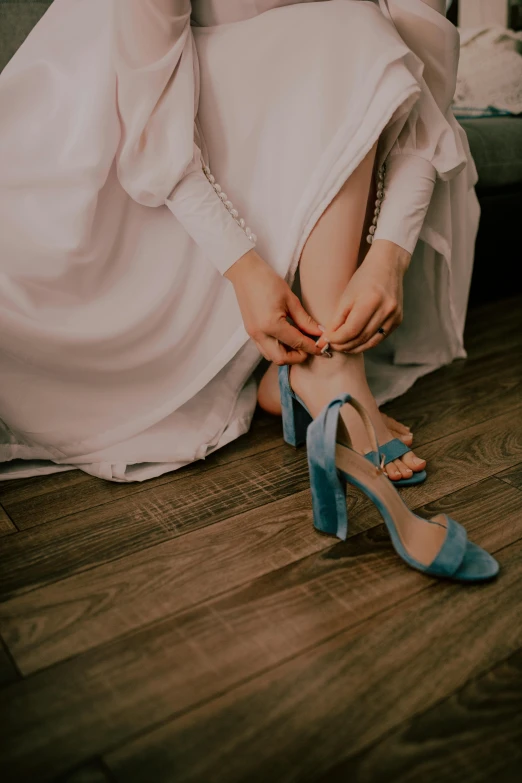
268 392
398 429
318 388
269 399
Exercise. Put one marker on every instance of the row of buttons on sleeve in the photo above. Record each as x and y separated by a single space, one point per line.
378 202
228 204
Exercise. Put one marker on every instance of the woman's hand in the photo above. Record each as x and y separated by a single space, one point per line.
371 300
265 301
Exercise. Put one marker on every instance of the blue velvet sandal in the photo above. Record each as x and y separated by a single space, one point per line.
297 417
333 463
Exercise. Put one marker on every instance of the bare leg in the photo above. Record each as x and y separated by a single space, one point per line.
329 259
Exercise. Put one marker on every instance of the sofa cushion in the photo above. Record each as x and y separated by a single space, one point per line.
496 147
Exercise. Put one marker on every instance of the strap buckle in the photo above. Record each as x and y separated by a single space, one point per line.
380 468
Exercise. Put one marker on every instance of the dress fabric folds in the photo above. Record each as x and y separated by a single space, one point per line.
122 348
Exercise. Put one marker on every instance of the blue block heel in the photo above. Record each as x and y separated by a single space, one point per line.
297 417
295 414
334 463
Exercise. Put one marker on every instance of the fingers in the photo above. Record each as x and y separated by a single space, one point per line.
388 326
356 324
380 319
387 315
338 320
366 334
272 350
293 338
301 318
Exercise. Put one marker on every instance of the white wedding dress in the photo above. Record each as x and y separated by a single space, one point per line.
122 348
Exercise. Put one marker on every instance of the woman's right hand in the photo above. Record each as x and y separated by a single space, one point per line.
265 301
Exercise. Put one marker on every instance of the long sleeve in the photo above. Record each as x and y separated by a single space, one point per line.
159 159
428 146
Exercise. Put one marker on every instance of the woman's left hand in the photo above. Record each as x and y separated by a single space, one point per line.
372 300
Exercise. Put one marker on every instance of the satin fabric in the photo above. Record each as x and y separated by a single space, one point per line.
122 348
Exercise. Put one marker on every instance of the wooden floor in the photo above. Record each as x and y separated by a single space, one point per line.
196 628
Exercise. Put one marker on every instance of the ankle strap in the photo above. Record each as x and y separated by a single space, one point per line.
324 431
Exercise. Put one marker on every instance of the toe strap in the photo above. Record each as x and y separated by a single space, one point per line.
394 449
452 551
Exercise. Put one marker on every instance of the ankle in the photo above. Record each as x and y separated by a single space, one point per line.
331 367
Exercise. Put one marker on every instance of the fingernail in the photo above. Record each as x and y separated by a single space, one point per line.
322 328
326 352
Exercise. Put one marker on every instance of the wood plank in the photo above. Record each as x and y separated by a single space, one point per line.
41 499
488 326
468 456
493 327
8 671
94 772
6 525
512 475
55 551
334 700
473 735
458 396
98 699
91 608
112 530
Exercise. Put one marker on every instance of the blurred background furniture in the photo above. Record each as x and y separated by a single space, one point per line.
496 146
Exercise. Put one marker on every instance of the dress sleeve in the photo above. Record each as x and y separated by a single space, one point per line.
159 159
429 145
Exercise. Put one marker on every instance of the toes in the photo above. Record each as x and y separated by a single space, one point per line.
405 471
406 438
413 462
396 470
398 430
396 426
392 472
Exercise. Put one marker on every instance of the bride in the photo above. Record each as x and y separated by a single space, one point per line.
186 188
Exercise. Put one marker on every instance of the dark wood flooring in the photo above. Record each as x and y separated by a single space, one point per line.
196 628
